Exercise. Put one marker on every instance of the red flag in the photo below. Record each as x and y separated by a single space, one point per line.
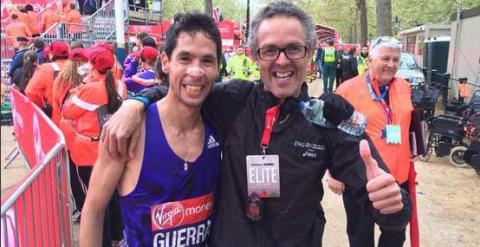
414 232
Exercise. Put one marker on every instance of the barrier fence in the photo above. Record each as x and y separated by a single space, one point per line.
37 211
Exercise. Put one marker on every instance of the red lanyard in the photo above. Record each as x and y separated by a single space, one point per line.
387 110
380 99
270 118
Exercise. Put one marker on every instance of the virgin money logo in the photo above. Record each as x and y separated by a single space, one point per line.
168 215
181 213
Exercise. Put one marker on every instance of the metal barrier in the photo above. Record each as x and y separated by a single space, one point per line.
102 22
7 48
37 211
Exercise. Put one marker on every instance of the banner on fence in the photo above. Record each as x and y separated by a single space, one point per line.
36 212
32 130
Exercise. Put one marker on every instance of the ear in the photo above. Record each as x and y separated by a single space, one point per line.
165 62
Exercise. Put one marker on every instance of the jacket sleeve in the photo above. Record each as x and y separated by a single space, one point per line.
80 102
131 66
224 103
354 66
350 169
35 89
16 63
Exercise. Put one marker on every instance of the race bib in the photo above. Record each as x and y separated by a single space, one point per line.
394 134
182 223
263 175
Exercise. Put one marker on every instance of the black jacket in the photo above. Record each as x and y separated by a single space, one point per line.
348 64
237 110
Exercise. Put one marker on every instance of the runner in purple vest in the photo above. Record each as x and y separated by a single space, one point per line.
167 190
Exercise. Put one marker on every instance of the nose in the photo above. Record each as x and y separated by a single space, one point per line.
195 71
282 58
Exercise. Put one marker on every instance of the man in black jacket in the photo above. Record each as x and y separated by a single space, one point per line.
348 65
266 137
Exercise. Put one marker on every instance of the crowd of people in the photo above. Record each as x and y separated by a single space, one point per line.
162 152
25 22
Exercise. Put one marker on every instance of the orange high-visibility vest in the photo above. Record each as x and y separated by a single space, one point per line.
395 156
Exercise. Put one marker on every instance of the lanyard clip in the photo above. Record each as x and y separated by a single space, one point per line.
264 149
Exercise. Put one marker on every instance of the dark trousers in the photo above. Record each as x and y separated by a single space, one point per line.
328 77
360 227
112 223
338 77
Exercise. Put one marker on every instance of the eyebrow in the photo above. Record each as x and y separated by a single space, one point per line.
288 45
186 53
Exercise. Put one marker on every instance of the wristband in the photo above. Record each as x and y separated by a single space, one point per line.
142 99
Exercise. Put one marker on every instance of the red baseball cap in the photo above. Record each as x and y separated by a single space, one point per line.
59 48
149 53
106 46
101 58
78 54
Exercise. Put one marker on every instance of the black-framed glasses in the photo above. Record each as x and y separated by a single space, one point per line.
272 53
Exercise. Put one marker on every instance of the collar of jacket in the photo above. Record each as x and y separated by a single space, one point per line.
288 109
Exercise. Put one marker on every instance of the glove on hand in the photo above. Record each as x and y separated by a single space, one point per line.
336 108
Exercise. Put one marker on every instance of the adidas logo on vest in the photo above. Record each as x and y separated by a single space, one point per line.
212 142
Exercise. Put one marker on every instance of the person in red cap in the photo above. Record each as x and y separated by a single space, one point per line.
87 108
117 67
39 89
70 77
146 78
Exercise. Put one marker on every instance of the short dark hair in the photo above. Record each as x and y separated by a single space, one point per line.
330 42
28 7
38 42
14 16
149 41
73 6
286 9
141 35
192 23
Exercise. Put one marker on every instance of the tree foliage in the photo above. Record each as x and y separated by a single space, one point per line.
343 15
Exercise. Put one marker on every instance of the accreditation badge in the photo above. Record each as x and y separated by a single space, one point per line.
394 134
263 175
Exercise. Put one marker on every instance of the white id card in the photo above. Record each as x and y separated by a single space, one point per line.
394 134
263 175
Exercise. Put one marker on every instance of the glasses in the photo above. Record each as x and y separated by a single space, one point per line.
272 53
384 39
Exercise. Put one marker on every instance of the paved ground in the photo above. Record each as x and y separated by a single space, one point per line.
448 200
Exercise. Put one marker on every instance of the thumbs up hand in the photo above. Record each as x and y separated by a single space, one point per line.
383 190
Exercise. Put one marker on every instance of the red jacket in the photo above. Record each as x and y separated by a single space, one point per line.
39 88
80 111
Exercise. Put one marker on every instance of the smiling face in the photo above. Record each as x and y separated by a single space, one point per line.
384 66
283 76
192 68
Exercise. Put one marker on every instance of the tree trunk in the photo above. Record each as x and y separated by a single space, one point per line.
208 7
362 8
384 17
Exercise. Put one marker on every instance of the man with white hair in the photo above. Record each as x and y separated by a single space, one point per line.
386 101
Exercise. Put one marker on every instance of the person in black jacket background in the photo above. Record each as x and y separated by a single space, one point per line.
348 65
